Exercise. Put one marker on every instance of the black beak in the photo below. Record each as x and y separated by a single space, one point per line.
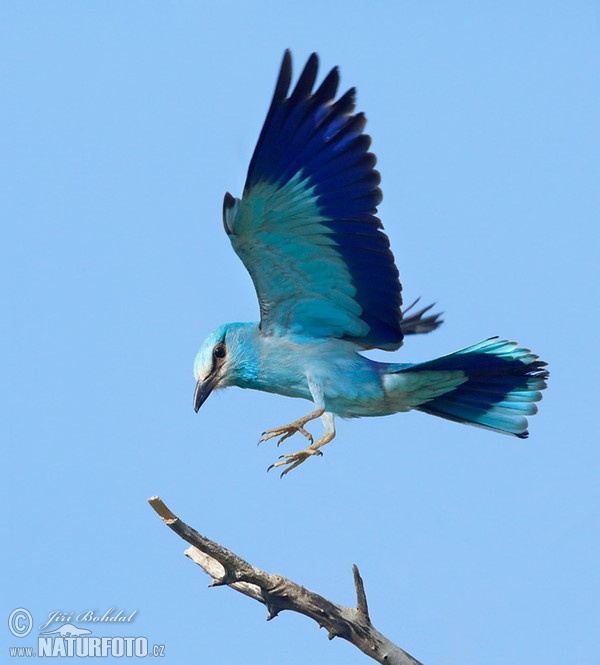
203 390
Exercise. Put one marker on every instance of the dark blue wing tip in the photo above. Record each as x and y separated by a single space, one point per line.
323 138
306 130
284 79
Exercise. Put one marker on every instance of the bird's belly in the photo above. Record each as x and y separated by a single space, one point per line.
355 392
344 382
376 405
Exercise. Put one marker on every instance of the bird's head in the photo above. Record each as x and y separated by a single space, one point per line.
225 358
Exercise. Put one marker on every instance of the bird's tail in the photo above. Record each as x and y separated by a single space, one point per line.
499 389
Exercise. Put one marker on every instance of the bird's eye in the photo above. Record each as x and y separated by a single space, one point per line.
219 351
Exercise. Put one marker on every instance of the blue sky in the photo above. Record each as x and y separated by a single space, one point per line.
123 123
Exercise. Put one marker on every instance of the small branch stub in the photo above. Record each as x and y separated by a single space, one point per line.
278 593
361 597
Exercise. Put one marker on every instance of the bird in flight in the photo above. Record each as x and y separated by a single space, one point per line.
328 288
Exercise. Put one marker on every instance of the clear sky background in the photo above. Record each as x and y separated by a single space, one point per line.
123 124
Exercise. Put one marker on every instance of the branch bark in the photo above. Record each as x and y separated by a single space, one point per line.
278 593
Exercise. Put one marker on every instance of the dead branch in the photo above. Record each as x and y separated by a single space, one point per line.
278 593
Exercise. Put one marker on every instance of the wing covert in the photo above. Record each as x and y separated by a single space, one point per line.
306 227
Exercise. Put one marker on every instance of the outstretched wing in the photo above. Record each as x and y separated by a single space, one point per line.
306 228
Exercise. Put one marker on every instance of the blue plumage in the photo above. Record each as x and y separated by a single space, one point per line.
328 287
503 382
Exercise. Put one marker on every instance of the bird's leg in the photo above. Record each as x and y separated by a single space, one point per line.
292 460
286 431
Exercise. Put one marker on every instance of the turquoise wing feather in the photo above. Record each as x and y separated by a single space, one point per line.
306 227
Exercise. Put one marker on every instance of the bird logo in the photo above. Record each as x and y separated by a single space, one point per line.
69 630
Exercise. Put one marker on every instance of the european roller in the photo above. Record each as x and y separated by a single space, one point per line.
328 288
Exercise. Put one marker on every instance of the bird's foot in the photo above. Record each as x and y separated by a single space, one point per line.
293 460
286 431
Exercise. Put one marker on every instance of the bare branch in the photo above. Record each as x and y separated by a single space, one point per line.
278 593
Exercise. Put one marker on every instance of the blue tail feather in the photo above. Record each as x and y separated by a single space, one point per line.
503 383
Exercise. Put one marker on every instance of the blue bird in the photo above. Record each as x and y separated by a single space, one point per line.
328 288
